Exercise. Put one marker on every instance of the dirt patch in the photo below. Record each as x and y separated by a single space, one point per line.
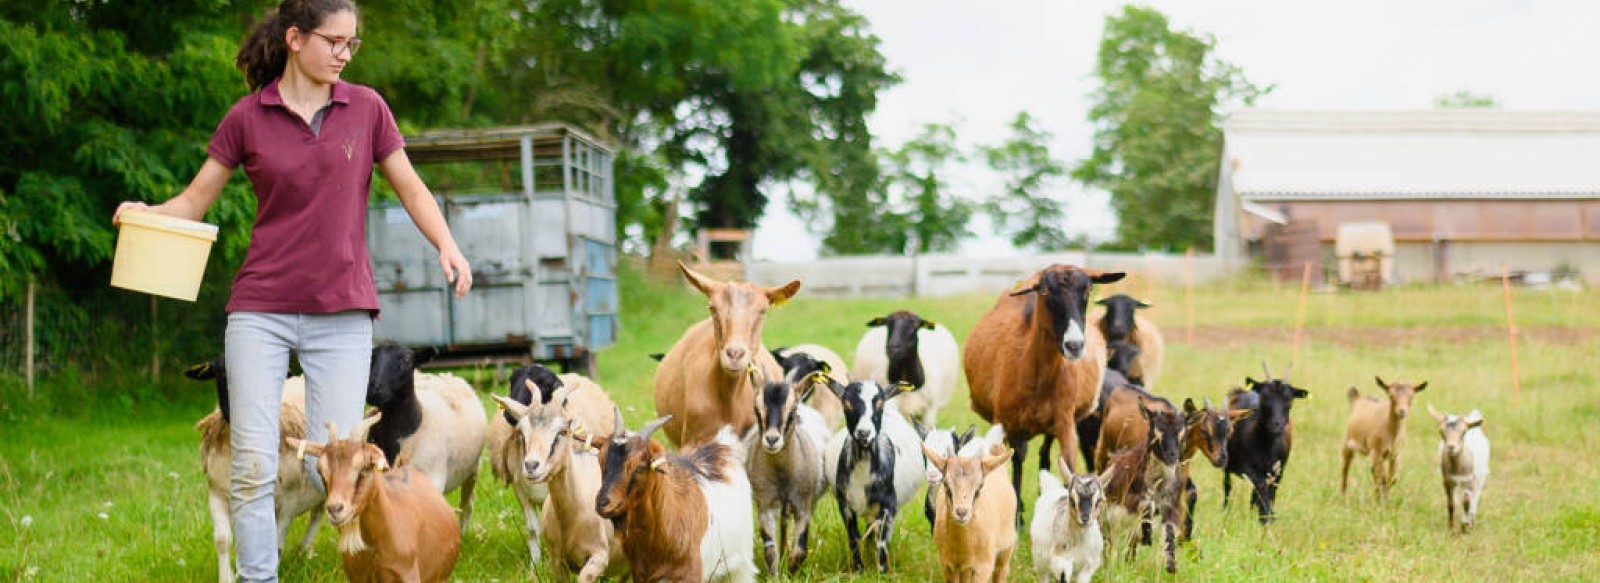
1228 336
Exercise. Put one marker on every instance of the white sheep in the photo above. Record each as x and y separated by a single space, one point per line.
294 494
903 347
431 422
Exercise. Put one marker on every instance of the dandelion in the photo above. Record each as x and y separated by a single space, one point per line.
27 521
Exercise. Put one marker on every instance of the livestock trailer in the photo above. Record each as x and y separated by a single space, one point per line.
532 208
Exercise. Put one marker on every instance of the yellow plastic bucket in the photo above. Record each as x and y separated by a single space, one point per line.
162 255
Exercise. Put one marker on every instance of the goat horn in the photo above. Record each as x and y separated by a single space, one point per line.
652 426
1207 402
619 428
1266 369
1287 371
365 427
333 430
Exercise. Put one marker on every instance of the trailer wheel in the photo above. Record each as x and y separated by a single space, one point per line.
584 364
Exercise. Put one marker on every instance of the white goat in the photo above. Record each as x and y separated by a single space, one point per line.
1464 463
1067 541
903 347
294 494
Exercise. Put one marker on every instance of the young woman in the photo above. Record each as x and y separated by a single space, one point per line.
307 142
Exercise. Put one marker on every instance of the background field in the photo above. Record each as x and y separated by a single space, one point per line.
116 494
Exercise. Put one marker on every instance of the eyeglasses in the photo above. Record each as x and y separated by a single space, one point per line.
340 44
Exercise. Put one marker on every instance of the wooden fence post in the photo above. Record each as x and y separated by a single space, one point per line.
1300 315
1188 294
27 335
1511 334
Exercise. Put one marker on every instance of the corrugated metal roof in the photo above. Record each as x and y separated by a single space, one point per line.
1435 154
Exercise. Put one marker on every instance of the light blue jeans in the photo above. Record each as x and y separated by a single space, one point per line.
336 352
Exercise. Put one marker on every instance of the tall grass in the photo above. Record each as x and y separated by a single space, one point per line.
120 498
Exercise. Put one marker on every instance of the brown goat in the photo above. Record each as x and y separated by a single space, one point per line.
1147 481
1380 430
680 517
394 525
972 525
1034 366
701 381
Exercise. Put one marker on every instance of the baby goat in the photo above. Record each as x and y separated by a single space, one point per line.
1067 542
1464 461
785 466
1380 430
972 525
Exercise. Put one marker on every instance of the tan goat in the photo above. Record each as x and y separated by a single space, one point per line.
701 382
548 447
1378 429
974 517
394 525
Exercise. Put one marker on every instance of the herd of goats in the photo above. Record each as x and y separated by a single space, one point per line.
781 428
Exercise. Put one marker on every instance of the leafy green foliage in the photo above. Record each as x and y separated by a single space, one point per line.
1025 208
1158 132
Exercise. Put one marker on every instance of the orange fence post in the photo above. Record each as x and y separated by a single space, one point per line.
1188 294
1511 334
1300 315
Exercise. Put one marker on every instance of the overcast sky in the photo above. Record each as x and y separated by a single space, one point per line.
978 63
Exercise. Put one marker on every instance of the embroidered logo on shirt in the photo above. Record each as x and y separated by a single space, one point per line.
349 147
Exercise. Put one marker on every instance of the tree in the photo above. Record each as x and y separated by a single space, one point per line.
931 217
1157 129
1024 209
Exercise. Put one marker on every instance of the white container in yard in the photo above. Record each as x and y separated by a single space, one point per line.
161 255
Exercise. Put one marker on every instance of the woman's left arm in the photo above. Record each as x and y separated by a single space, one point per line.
419 203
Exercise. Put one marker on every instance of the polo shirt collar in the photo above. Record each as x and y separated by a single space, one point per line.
271 96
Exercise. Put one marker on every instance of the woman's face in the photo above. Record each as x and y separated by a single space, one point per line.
322 54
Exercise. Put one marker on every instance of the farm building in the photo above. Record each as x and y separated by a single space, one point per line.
1462 192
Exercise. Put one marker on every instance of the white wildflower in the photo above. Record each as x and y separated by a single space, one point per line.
104 516
106 504
27 521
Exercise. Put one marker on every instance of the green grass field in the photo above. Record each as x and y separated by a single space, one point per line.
120 497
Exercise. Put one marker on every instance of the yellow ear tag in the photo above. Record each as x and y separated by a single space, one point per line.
906 387
300 452
656 465
780 301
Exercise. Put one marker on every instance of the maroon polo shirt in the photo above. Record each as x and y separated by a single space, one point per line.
308 250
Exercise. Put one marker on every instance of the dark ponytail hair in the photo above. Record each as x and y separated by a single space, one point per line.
263 55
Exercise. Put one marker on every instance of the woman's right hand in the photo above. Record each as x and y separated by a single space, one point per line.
130 205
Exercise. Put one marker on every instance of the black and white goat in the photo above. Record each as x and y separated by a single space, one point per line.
875 464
